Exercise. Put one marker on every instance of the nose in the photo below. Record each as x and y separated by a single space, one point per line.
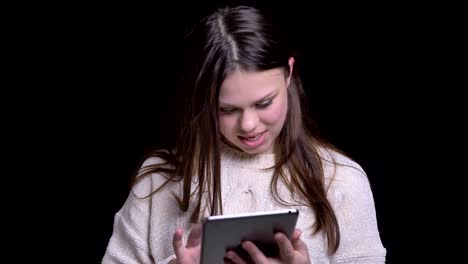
248 121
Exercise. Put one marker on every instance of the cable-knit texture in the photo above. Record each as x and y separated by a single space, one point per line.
143 228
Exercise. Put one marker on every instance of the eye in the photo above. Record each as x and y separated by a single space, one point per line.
264 104
227 110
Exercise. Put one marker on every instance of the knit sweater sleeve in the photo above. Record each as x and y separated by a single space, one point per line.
130 240
353 202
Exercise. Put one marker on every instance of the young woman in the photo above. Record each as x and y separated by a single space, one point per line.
246 145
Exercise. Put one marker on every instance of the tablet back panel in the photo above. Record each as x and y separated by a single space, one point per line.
221 233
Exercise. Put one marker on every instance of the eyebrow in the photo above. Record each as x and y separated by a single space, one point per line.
264 98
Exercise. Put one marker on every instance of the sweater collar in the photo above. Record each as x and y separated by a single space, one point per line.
237 158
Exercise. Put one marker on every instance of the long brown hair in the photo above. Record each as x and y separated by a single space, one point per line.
230 38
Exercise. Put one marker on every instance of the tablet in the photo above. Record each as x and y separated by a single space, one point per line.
225 232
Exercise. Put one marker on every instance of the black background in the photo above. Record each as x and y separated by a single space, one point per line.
111 71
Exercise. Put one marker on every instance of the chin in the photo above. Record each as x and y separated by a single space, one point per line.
260 150
239 146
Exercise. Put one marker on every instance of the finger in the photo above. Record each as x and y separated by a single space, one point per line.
298 244
286 249
177 242
195 236
234 257
296 235
255 253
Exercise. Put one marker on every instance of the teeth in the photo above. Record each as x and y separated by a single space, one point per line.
253 138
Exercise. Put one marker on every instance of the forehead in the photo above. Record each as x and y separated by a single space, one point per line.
245 87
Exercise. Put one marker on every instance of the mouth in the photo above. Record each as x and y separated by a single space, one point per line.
252 140
252 137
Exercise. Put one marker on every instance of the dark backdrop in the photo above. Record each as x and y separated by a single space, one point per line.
112 68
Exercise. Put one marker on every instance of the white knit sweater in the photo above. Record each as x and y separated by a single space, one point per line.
143 228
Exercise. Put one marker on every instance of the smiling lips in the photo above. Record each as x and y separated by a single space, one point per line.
253 140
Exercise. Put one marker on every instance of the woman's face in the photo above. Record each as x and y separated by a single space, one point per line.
253 107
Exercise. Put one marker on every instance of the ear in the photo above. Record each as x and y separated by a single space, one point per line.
291 67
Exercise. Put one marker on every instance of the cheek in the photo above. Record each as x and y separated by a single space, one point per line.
276 114
226 125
